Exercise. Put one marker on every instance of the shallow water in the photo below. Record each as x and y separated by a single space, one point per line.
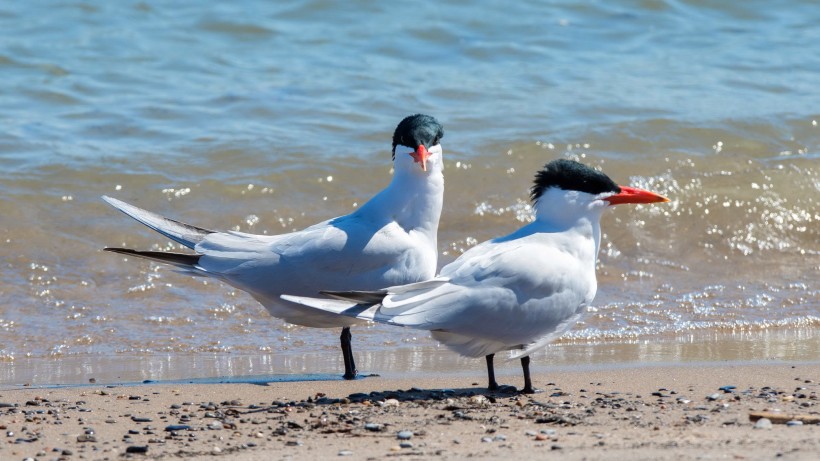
268 118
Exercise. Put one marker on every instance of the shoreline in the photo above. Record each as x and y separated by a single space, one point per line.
685 411
409 361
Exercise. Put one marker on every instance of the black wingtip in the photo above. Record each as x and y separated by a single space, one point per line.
363 297
176 259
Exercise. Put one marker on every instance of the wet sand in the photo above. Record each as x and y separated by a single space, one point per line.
654 412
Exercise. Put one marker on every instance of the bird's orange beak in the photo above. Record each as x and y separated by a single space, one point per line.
635 195
421 155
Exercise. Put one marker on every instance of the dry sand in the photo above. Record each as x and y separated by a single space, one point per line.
625 413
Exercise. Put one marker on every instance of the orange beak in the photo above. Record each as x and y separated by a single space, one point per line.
421 155
635 195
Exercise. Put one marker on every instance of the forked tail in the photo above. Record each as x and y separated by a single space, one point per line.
180 232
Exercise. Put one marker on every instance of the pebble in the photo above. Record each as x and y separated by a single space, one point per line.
86 438
390 403
727 389
171 428
345 453
137 449
714 396
406 445
404 435
373 427
216 425
763 423
794 422
141 419
500 438
486 440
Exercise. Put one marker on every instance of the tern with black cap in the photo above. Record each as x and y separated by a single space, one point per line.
512 293
390 240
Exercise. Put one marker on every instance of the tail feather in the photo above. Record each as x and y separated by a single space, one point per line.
361 297
182 260
344 307
180 232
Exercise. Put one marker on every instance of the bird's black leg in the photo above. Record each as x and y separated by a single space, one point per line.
525 364
492 386
347 354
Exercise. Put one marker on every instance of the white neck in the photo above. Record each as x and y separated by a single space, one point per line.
414 197
572 211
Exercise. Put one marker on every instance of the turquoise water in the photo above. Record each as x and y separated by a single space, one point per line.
267 117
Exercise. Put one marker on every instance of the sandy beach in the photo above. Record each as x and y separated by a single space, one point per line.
658 412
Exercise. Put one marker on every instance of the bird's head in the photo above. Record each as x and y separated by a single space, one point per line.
579 187
418 136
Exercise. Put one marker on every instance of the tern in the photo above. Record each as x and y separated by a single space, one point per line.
390 240
512 293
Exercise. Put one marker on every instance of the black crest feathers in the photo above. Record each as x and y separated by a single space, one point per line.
416 130
571 175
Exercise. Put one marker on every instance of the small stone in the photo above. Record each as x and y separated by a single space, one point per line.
549 432
137 449
500 438
391 403
216 450
794 422
727 389
216 425
486 440
531 433
478 400
763 423
406 445
173 428
714 396
294 443
404 435
345 453
141 419
82 438
542 437
373 427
